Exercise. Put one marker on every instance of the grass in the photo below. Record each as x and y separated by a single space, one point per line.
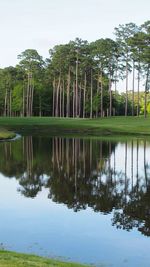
5 134
13 259
107 126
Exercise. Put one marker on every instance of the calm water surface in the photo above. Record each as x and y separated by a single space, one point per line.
75 199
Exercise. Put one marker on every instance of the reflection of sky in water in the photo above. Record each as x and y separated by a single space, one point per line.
43 227
138 161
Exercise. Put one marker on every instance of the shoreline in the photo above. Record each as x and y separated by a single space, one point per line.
11 258
6 135
115 126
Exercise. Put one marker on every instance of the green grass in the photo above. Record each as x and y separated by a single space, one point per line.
5 134
13 259
106 126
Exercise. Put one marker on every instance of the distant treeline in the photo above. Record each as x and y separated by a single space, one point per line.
80 79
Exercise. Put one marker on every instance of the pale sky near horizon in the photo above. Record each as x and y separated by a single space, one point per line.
41 24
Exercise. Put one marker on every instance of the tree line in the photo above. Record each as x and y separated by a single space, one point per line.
81 79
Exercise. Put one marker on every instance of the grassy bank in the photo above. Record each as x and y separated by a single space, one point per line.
13 259
5 134
106 126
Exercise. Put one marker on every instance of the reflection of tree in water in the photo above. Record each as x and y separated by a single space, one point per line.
84 173
31 182
18 160
74 178
135 212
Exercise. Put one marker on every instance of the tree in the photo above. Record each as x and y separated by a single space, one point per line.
32 64
123 33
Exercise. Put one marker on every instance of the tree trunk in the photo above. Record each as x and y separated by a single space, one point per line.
146 88
57 96
133 80
97 94
76 97
101 94
32 92
27 102
5 104
10 103
40 110
138 89
60 101
126 102
110 98
23 101
68 95
91 95
73 100
54 88
63 99
80 98
85 81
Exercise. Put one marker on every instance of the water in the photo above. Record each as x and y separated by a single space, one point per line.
75 199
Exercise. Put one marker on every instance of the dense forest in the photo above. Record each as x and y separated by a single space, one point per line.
81 79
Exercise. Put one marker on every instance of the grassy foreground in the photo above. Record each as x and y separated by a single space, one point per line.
5 134
13 259
106 126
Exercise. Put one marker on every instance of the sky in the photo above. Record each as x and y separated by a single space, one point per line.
41 24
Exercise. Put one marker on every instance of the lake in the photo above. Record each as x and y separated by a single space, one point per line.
82 200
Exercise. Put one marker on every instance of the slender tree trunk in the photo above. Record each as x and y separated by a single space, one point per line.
40 109
91 95
80 99
5 104
110 98
63 99
60 101
138 91
27 97
97 94
23 101
85 81
54 88
116 80
10 103
73 108
57 95
116 74
101 94
133 80
146 88
76 97
32 93
126 102
68 95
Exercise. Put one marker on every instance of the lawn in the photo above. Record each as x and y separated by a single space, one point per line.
106 126
13 259
5 134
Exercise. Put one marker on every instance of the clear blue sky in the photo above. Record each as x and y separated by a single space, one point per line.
41 24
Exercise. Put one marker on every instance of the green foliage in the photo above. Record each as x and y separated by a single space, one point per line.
17 100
